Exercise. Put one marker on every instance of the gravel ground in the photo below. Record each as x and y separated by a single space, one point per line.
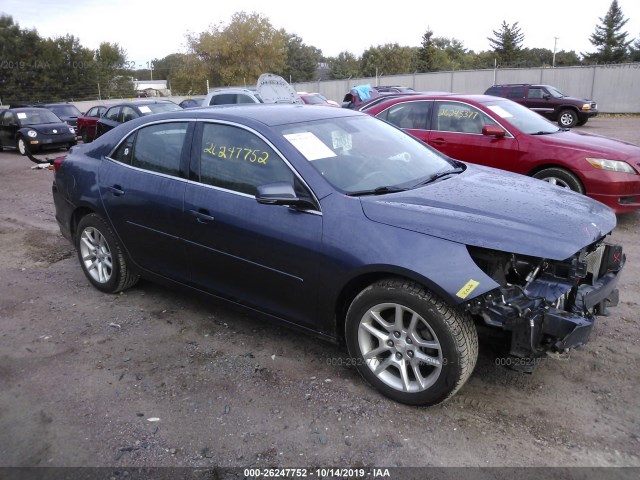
157 377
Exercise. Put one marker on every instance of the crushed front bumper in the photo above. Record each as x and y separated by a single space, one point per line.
554 314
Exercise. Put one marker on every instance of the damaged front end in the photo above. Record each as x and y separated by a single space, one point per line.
547 305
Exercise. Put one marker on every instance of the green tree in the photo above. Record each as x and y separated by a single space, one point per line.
113 75
507 42
426 53
189 78
388 59
609 39
71 73
241 51
302 60
634 51
345 65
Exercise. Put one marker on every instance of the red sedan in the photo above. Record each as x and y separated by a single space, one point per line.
87 122
500 133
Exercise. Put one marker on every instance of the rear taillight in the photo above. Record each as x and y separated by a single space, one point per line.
58 162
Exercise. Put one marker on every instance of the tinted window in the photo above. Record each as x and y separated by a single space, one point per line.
158 148
236 159
124 152
410 115
495 91
37 116
223 99
516 92
112 114
459 117
245 99
65 110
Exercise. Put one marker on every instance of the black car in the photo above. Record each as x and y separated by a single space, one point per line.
34 129
346 226
66 112
127 111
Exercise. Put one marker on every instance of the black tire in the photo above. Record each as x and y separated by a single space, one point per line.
432 374
21 146
581 122
97 245
85 136
561 177
567 118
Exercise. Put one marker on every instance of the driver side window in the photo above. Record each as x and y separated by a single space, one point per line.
238 160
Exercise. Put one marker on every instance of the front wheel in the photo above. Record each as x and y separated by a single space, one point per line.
101 256
410 345
567 118
85 136
560 177
22 146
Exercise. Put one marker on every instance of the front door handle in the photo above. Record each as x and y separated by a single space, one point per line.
202 215
438 141
116 190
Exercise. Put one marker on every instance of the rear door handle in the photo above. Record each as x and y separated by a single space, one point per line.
438 141
116 190
202 216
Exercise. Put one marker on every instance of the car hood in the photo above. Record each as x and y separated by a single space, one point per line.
593 145
489 208
49 128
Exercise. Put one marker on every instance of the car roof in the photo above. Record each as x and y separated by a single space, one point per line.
135 103
234 89
270 114
23 109
435 96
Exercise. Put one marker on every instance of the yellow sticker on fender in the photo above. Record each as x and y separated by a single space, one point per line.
467 289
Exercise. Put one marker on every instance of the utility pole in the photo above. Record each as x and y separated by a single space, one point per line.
555 43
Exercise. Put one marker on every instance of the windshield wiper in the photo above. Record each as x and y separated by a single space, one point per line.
377 191
438 175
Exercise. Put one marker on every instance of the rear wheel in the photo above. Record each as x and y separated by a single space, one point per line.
410 345
101 256
560 177
567 118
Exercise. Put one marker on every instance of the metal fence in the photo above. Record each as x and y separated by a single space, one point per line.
616 88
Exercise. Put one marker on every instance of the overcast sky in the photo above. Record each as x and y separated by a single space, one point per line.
148 29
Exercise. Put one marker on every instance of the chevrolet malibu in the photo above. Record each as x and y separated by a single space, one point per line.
500 133
344 226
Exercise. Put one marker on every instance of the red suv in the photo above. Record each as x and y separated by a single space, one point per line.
499 133
549 102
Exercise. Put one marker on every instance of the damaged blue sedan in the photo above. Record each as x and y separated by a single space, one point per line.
342 225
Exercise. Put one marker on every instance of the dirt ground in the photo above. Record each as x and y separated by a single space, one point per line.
155 377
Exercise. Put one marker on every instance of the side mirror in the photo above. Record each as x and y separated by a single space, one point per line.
281 193
493 131
546 96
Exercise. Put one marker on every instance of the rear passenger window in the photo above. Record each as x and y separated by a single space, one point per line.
158 148
516 92
409 115
223 99
112 114
238 160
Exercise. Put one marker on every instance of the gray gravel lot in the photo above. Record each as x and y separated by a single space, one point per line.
157 377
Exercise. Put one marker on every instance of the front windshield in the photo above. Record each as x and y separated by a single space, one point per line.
525 120
162 107
362 153
555 92
37 117
65 110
